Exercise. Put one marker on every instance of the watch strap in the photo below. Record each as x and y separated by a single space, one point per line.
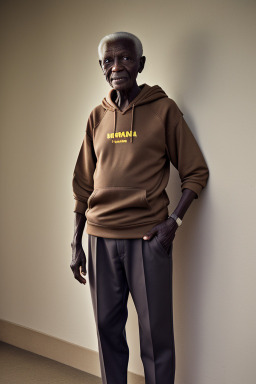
176 218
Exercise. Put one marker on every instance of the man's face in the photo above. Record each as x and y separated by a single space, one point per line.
120 64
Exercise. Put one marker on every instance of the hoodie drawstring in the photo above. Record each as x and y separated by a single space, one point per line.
114 122
131 130
131 138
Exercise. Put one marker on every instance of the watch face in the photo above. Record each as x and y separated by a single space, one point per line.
176 218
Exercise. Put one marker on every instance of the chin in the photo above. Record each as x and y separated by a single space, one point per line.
121 87
118 88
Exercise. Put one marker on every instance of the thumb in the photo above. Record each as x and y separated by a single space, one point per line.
149 235
84 266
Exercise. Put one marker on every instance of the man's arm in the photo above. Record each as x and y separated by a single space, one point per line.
82 188
186 199
78 263
166 230
184 153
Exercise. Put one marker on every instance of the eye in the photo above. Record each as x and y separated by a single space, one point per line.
106 61
126 58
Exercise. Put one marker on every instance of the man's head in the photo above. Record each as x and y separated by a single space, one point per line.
120 57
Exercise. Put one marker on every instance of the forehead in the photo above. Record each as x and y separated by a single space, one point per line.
116 46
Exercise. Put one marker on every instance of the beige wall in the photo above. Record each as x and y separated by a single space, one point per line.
203 54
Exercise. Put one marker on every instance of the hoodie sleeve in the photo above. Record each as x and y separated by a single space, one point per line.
84 170
184 152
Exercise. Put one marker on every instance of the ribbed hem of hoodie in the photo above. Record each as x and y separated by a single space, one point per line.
80 207
120 233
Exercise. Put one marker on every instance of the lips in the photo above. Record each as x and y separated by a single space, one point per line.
118 79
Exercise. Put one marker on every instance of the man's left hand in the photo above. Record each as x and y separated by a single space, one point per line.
165 233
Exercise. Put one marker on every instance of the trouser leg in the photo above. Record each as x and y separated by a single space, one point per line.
149 275
109 291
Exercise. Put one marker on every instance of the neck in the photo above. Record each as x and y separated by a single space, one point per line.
125 97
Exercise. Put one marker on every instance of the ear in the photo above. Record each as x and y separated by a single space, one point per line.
142 63
100 62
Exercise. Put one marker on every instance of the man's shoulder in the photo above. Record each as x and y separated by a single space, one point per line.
97 115
169 102
165 106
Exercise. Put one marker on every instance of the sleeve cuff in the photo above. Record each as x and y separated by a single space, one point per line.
197 188
80 207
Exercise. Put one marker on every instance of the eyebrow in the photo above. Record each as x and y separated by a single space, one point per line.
109 53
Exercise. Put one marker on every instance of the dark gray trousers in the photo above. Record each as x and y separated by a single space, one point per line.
143 268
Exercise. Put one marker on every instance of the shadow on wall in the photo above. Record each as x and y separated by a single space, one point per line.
190 269
192 240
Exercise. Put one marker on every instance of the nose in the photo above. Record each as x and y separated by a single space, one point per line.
117 66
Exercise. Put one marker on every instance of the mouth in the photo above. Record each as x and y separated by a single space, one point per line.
118 79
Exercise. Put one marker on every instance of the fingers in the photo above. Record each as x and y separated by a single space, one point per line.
149 235
77 274
83 267
79 278
78 271
78 265
82 270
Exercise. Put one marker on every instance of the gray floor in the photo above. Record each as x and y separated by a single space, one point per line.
22 367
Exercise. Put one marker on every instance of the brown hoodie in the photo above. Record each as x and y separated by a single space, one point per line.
124 164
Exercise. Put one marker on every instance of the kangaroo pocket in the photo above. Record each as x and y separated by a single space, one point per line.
117 206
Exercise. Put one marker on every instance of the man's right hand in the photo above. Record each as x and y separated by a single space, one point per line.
78 263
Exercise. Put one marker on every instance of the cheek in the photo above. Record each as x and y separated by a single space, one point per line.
107 73
134 71
134 74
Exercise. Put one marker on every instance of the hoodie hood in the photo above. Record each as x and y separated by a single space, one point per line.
146 95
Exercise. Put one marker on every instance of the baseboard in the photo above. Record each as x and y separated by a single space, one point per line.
56 349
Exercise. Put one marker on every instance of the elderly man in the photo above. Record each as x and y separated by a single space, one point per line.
119 186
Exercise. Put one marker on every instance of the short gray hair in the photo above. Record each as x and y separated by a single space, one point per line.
121 35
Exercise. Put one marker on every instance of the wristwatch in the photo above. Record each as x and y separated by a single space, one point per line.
176 218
